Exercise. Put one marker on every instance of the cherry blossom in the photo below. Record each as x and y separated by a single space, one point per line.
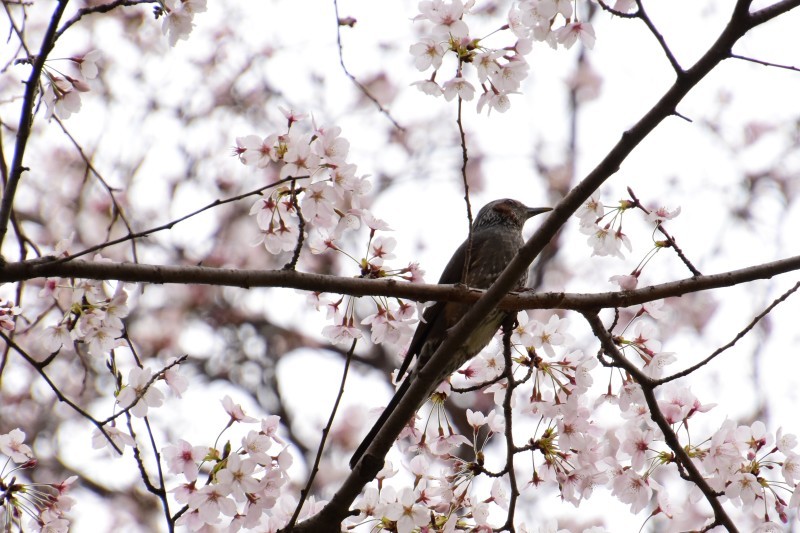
498 102
299 159
61 98
211 500
429 87
329 146
238 475
119 438
573 31
255 151
445 16
235 411
381 250
545 336
183 458
458 87
138 393
632 488
626 282
406 511
318 204
179 14
12 444
341 333
427 53
657 216
591 211
87 63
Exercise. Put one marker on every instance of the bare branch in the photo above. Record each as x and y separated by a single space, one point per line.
464 160
60 395
511 385
364 90
325 431
189 274
103 8
26 118
736 339
765 63
642 14
170 224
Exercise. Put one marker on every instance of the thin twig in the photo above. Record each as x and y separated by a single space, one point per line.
292 264
170 224
137 456
765 63
60 395
162 493
103 8
508 415
464 160
109 189
642 14
670 240
357 83
733 341
617 12
325 432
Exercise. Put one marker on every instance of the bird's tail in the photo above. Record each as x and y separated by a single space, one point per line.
379 423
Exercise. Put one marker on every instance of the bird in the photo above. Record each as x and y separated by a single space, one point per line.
496 239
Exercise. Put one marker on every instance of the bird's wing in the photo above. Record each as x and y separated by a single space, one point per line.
434 319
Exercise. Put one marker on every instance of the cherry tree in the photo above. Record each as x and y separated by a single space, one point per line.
211 272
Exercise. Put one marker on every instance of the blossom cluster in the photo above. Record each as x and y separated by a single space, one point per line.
498 71
447 501
752 470
61 94
321 197
573 453
178 17
92 317
606 237
330 197
244 484
28 506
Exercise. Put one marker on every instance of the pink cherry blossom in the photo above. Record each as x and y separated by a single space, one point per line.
12 444
183 458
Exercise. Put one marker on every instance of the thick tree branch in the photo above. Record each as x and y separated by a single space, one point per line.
161 274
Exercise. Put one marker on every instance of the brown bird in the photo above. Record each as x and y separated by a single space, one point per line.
496 239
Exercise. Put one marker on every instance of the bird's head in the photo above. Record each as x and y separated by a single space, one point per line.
506 212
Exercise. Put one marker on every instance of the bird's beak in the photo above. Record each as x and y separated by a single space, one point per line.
532 211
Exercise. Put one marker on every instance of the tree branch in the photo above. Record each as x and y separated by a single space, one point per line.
26 118
103 8
337 509
671 439
189 274
733 341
